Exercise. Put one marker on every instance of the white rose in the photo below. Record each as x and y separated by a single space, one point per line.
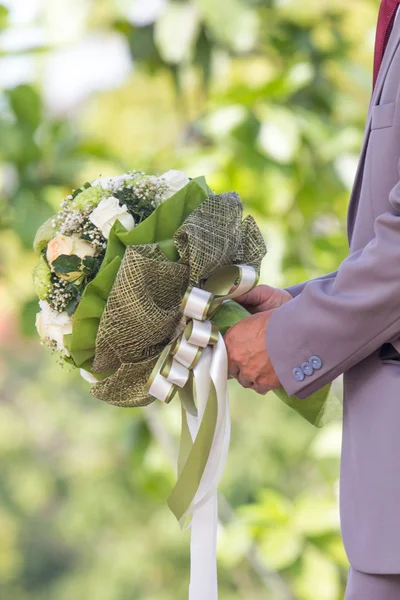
111 183
52 325
105 182
109 211
175 181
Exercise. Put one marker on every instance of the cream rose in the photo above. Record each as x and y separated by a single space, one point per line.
109 211
175 181
52 325
68 244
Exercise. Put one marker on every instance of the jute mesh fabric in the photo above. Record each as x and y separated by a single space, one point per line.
142 312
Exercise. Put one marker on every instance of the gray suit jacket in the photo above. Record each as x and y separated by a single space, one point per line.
343 319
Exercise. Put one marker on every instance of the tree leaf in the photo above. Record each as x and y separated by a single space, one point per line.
29 210
28 313
3 16
26 104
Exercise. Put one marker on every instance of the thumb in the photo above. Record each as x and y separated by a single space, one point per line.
258 296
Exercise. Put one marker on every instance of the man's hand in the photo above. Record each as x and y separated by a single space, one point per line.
247 354
263 298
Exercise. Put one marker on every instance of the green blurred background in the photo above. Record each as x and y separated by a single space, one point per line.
267 98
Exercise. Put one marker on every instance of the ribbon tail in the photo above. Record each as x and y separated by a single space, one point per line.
203 578
204 449
203 552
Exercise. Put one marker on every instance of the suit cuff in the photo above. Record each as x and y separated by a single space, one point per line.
295 290
302 371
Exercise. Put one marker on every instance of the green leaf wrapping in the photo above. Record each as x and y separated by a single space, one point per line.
316 409
81 342
228 315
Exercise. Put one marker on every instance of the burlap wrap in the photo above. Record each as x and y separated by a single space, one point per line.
142 312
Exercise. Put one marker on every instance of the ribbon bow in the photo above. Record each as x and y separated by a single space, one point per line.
196 365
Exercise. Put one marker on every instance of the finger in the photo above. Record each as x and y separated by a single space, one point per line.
260 389
251 298
233 371
244 381
257 299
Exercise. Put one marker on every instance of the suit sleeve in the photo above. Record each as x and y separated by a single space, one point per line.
341 319
295 290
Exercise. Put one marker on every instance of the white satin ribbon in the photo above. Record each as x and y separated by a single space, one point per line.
186 352
161 388
211 368
203 545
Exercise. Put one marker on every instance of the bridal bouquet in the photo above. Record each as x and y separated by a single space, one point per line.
136 280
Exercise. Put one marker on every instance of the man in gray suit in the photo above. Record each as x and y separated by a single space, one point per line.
348 322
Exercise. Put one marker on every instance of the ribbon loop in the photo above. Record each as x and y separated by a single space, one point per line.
187 354
201 333
241 278
176 373
196 303
162 388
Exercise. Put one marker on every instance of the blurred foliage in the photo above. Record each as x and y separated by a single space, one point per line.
264 97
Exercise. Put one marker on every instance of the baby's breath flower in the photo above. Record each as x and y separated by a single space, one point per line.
71 222
60 295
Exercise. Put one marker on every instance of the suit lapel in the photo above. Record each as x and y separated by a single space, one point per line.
390 51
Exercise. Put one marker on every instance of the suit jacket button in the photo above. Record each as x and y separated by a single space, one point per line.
307 368
315 361
298 374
